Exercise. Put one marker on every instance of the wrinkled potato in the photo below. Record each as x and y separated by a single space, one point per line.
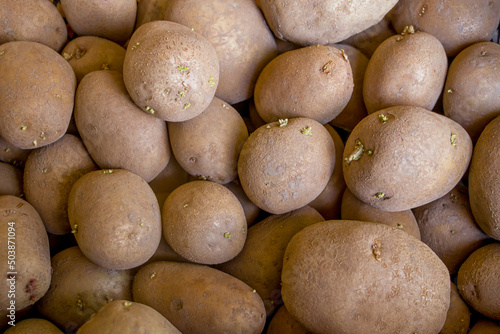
11 180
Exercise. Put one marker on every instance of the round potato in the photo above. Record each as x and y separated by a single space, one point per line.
121 206
403 157
285 165
458 317
33 325
11 180
36 94
369 278
283 323
173 79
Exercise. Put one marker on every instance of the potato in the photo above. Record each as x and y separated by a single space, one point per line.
319 86
113 19
260 262
49 174
322 21
150 10
164 252
11 180
403 157
471 91
25 259
199 299
479 278
354 209
448 227
115 131
484 183
173 79
458 317
208 151
169 178
393 78
251 210
285 165
80 288
90 53
121 206
204 222
283 323
33 325
12 154
36 94
485 326
240 36
456 24
123 316
359 277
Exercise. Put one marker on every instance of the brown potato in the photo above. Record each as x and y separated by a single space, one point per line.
169 179
49 174
173 79
150 10
485 326
251 210
358 277
199 299
33 325
165 253
121 206
458 317
11 180
283 323
12 154
36 94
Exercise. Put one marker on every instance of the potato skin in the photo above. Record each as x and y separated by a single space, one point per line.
283 323
11 180
174 79
36 94
199 299
402 172
115 218
485 326
251 210
33 325
12 154
458 316
150 10
362 272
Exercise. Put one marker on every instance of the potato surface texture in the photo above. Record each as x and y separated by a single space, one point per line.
368 277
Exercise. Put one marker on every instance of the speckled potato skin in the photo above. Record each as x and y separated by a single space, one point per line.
80 288
403 157
405 70
370 278
314 82
283 323
123 316
456 24
479 278
112 19
209 145
484 184
458 317
115 131
36 94
172 78
448 227
322 21
33 325
283 168
204 222
471 90
260 262
49 174
198 299
115 218
32 20
91 53
354 209
11 180
239 33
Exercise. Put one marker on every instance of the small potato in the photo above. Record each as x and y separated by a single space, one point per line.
394 78
33 325
458 317
204 222
90 53
36 94
12 154
11 180
198 299
283 323
123 316
319 86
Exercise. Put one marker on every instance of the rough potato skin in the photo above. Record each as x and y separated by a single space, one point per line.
471 91
484 184
322 21
479 278
36 94
33 325
198 299
388 162
458 317
49 174
394 78
173 78
11 180
370 278
115 218
283 168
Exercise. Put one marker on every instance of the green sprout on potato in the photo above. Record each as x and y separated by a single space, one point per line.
135 46
383 118
35 143
152 275
75 229
306 131
7 150
127 303
187 105
150 110
2 53
182 68
79 303
227 235
283 122
211 81
357 153
453 139
379 195
181 93
108 171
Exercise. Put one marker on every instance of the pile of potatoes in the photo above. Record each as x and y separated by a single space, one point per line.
218 166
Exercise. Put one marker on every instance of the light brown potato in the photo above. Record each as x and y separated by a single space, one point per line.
33 325
11 180
199 299
458 317
283 323
36 94
351 277
49 174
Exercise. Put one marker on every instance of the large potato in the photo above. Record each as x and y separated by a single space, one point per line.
359 277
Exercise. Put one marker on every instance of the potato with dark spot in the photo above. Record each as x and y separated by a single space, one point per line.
33 325
11 180
458 317
172 78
